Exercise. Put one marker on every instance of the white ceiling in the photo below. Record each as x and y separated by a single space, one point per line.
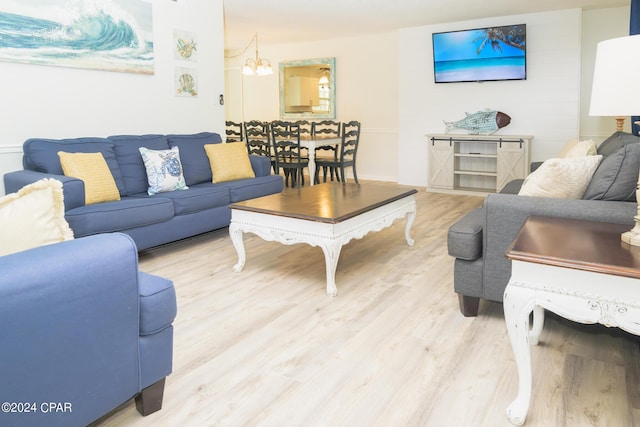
284 21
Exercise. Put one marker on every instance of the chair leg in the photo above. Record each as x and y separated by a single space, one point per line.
150 399
355 175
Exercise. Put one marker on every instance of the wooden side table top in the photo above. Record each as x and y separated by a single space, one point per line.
578 244
328 202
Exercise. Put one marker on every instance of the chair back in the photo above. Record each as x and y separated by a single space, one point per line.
233 131
350 141
305 128
257 137
285 140
325 129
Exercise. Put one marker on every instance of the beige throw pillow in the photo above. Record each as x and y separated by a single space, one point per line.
561 178
229 161
34 216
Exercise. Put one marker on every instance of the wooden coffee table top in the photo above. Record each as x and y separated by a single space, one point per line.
583 245
328 202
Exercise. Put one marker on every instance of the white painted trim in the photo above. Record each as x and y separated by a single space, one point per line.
11 149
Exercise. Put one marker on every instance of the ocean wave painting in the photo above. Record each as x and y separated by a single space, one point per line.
112 35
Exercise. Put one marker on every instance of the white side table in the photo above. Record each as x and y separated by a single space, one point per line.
577 269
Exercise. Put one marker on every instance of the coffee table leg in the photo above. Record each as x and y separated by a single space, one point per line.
331 254
236 237
518 303
407 229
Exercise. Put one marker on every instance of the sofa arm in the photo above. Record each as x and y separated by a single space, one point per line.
505 214
72 188
70 329
261 165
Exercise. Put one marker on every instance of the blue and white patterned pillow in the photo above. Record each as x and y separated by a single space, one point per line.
164 170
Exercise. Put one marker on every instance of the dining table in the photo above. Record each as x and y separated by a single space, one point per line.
311 143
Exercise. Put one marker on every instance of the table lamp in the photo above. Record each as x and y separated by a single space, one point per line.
616 92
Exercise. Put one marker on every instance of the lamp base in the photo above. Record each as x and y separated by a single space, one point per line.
631 237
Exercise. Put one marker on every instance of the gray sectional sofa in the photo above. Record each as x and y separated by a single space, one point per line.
479 240
151 220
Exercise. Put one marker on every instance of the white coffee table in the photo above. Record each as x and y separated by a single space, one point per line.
328 215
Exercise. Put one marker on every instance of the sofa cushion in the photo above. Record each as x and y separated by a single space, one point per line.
42 155
229 162
561 178
157 303
126 149
92 169
250 188
617 176
464 238
129 212
194 159
32 217
164 170
200 197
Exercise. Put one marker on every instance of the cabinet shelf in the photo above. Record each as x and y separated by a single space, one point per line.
476 163
475 155
479 173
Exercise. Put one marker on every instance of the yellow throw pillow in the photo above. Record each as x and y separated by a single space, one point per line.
229 161
32 217
99 185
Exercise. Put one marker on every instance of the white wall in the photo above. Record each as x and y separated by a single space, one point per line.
545 105
598 25
366 90
56 102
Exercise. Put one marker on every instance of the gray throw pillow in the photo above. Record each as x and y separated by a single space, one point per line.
616 141
617 176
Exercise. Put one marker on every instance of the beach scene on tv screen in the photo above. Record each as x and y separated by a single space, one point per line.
495 53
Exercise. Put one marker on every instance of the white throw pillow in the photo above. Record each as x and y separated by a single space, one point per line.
34 216
582 148
566 178
164 170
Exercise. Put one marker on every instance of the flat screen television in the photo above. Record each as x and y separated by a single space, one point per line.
482 54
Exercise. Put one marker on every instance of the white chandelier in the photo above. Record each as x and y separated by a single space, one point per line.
258 66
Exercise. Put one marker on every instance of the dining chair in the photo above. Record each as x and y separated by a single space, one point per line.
305 133
322 130
258 140
233 131
347 153
285 139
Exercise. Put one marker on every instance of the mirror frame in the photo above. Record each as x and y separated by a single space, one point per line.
332 90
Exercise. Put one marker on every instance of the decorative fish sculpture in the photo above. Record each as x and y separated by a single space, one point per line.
481 122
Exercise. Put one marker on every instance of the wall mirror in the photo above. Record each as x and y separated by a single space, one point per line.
308 89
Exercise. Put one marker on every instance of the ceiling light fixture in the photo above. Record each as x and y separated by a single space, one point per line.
258 66
324 77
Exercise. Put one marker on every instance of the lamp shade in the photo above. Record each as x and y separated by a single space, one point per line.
616 78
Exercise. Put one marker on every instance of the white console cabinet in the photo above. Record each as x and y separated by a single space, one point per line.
476 163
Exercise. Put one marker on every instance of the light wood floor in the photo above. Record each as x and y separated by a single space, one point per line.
268 347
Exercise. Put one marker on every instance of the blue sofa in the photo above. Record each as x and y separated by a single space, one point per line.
83 331
149 220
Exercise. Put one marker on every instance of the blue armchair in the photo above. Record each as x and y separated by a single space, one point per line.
82 331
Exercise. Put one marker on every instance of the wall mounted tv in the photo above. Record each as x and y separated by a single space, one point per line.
482 54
